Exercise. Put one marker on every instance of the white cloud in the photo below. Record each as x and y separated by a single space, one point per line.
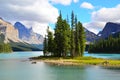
41 12
75 1
63 2
33 13
107 14
87 5
40 28
94 26
101 17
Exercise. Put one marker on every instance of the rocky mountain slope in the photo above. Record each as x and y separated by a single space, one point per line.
27 35
9 31
9 34
90 36
110 29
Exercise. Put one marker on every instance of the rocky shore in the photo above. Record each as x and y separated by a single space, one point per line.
79 62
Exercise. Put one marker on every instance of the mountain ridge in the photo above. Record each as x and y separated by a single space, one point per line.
90 36
28 35
109 29
9 34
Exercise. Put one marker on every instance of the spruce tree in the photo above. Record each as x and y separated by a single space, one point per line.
108 45
72 35
45 47
81 38
62 37
50 42
58 36
66 38
77 41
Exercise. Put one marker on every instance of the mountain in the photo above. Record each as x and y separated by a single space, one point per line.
22 30
27 35
90 36
9 34
9 31
116 35
109 29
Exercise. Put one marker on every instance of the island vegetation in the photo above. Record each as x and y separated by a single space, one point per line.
67 40
66 46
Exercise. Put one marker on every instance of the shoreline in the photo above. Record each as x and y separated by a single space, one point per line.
107 63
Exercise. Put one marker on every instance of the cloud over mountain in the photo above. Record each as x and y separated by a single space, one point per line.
107 14
100 17
38 11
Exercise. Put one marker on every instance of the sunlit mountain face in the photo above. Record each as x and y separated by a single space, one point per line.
28 35
10 34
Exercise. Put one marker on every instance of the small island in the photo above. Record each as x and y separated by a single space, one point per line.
67 46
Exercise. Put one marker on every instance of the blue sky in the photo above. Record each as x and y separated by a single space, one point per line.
84 14
39 14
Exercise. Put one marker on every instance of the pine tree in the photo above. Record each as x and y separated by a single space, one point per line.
58 36
77 41
66 38
72 35
109 45
81 38
45 48
50 42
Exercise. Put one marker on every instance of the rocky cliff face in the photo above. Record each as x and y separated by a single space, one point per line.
9 34
90 36
28 35
109 29
9 31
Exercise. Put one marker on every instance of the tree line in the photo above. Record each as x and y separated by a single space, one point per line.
110 45
5 47
67 40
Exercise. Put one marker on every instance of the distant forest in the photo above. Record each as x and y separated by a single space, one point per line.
109 45
5 47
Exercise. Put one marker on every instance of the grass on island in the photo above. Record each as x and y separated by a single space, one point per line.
79 61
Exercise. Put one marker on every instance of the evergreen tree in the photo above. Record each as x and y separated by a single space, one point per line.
58 36
81 38
72 35
110 45
45 48
62 37
66 38
50 42
77 41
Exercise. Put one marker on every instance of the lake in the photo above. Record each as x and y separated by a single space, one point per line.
103 55
16 66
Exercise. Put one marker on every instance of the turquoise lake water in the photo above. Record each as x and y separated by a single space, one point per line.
16 66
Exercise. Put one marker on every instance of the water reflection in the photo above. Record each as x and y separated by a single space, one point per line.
103 55
16 68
